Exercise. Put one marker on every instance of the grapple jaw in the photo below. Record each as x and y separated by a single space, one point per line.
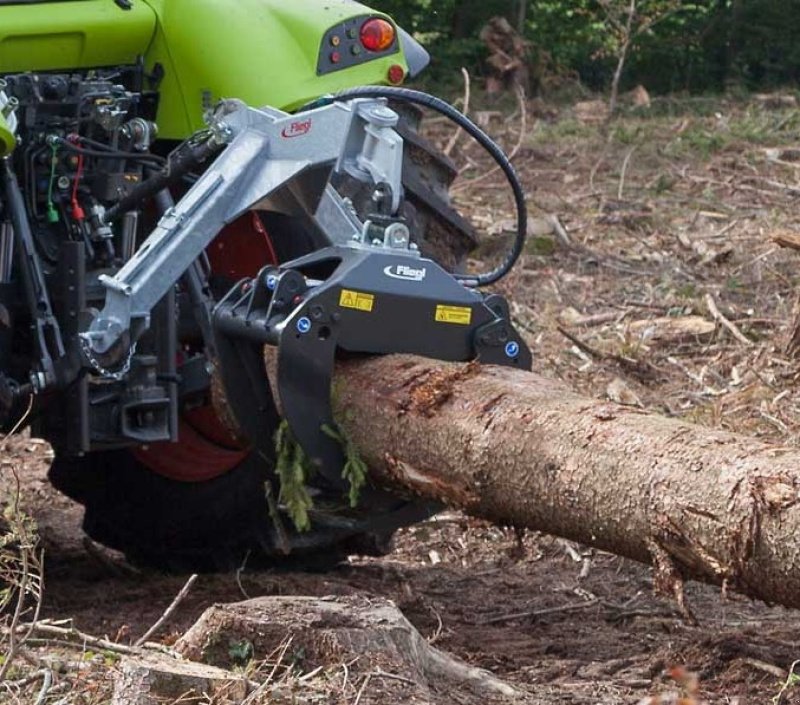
360 299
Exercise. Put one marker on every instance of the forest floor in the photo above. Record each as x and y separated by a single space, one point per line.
650 277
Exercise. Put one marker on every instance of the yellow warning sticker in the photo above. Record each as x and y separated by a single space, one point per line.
357 300
454 314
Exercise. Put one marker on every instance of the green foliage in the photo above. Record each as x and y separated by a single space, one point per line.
679 46
355 469
240 652
293 472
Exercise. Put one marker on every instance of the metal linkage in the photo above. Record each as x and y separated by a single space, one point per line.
50 345
272 161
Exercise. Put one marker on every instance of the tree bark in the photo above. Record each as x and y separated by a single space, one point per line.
520 449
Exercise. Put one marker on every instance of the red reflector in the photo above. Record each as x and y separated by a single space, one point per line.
396 74
377 34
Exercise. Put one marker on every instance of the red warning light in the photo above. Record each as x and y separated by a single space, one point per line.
377 34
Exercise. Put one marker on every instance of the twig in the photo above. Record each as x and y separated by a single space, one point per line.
168 612
70 635
380 674
433 638
790 680
363 687
393 676
559 230
623 171
240 570
523 128
640 368
787 239
26 547
285 647
46 684
770 668
540 613
715 312
452 143
32 678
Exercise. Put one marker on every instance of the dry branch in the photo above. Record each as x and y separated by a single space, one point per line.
184 591
520 449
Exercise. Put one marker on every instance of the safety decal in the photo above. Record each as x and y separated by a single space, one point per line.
357 300
461 315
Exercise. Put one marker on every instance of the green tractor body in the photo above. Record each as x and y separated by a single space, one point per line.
200 51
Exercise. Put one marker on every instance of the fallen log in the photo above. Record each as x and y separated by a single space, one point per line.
521 449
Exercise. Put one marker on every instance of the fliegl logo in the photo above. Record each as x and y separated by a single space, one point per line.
297 129
403 271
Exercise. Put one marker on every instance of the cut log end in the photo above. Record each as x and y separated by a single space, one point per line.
151 680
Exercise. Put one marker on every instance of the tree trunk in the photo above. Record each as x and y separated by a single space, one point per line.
520 449
622 56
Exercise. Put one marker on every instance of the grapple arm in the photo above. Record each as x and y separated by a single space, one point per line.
272 161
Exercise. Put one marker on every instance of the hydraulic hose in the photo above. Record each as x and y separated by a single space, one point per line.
442 107
183 161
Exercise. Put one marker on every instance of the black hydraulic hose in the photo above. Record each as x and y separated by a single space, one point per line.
183 162
105 154
440 106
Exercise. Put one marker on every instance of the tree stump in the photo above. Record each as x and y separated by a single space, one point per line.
387 659
152 680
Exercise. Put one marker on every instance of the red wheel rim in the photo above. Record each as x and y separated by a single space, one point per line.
205 448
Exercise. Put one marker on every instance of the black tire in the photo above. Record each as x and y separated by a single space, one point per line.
218 524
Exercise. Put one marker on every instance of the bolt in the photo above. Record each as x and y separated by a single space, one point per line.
317 312
303 325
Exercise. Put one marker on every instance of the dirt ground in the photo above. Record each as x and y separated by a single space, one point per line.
664 228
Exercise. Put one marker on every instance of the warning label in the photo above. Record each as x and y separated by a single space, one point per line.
454 314
357 300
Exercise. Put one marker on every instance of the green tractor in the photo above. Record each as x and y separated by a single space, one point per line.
182 183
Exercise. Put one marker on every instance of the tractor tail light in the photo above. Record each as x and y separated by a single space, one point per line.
377 34
396 74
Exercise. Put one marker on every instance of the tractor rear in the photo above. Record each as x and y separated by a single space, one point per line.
183 183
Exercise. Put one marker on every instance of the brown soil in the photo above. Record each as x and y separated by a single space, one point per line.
690 213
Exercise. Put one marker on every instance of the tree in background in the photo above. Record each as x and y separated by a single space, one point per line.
626 20
672 45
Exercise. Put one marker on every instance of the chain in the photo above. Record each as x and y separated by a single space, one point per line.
117 375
